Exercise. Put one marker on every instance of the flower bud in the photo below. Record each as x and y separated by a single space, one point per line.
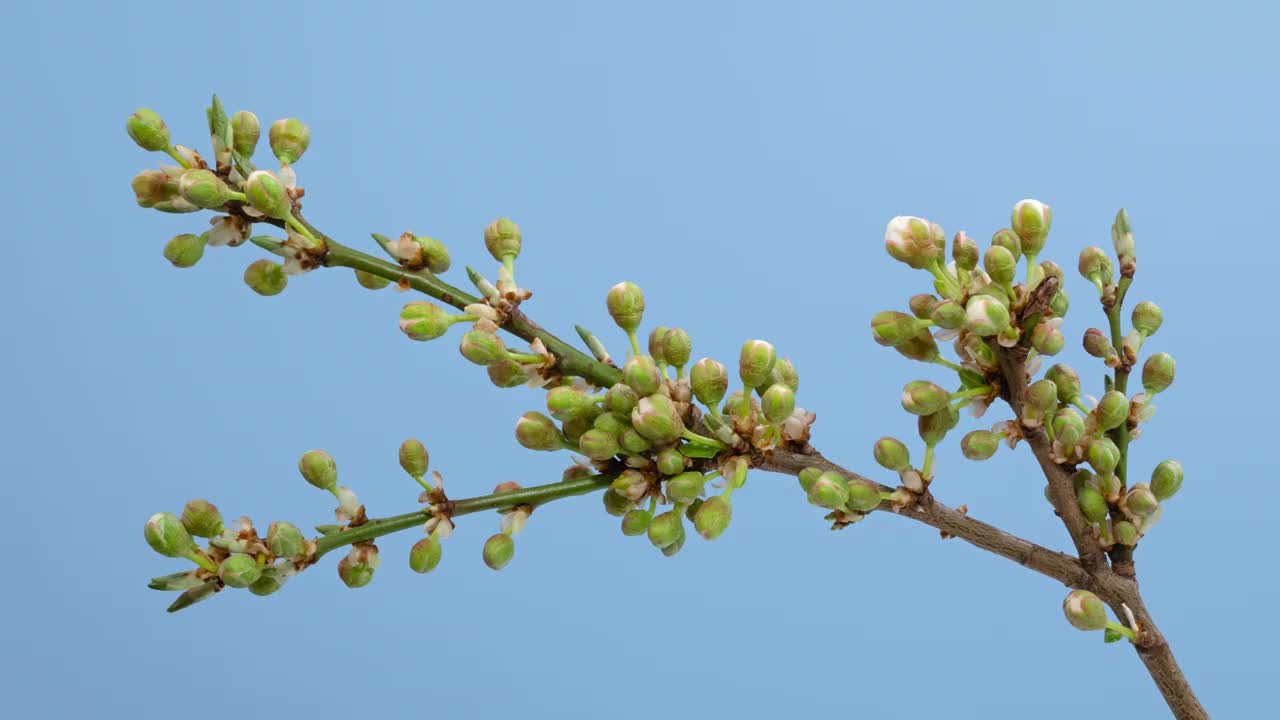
153 187
1000 264
621 399
1097 344
979 444
598 444
203 188
564 402
289 138
536 431
830 491
1042 396
1139 502
892 454
482 348
1066 381
1166 479
922 305
1092 505
318 468
630 484
685 487
356 568
964 250
265 277
933 428
424 321
267 195
1125 533
910 240
147 130
807 477
656 337
1060 303
1104 456
665 529
502 239
245 131
864 496
369 281
677 346
1084 610
1068 427
498 551
202 519
669 461
777 403
1031 220
921 397
755 361
435 255
286 541
611 422
414 458
1095 266
1122 239
1112 410
709 381
633 443
1007 239
657 419
1047 338
617 505
578 424
892 328
784 373
1157 373
712 517
239 571
636 522
986 316
166 535
1147 318
641 374
184 250
949 315
625 302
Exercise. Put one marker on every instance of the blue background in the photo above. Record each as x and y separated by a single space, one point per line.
737 161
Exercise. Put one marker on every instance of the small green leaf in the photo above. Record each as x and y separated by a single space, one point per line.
696 450
194 595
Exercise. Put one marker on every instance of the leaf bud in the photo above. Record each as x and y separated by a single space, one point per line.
536 431
1095 266
598 444
1084 610
712 517
1122 239
979 444
239 571
921 397
641 373
777 403
1031 220
657 419
148 130
286 541
245 131
986 316
166 535
482 348
636 522
267 195
184 250
677 347
356 568
1000 264
1166 479
625 302
1147 318
1157 373
1112 410
318 468
202 519
830 491
289 138
665 529
892 454
964 250
502 239
498 551
755 361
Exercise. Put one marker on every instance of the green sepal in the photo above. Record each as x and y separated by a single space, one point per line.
698 450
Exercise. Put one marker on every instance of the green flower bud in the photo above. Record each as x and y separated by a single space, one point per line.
979 444
892 454
1157 373
1084 610
676 546
665 529
1007 239
808 477
203 189
785 373
424 321
964 250
633 442
1098 345
1060 303
239 571
691 510
266 584
1095 266
498 551
1166 479
1092 504
921 348
1122 239
677 346
625 302
482 348
536 431
933 428
152 187
892 328
1068 427
921 397
245 131
185 250
864 496
755 362
709 381
621 399
1147 317
1112 410
636 522
267 195
611 423
1067 382
712 517
598 444
166 535
685 487
286 541
265 277
502 239
986 316
830 491
202 519
911 240
922 305
435 255
630 484
1031 220
369 281
1042 396
1000 264
148 130
1140 502
1046 338
641 373
656 337
564 402
1125 533
318 468
414 457
289 138
356 568
1104 456
670 462
777 403
578 424
949 315
657 419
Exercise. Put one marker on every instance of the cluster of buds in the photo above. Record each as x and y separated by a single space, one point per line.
234 188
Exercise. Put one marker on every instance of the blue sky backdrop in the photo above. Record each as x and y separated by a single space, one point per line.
738 161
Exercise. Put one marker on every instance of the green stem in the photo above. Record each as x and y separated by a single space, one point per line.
203 561
926 469
694 437
947 364
302 230
1120 435
172 152
526 358
1128 633
971 393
